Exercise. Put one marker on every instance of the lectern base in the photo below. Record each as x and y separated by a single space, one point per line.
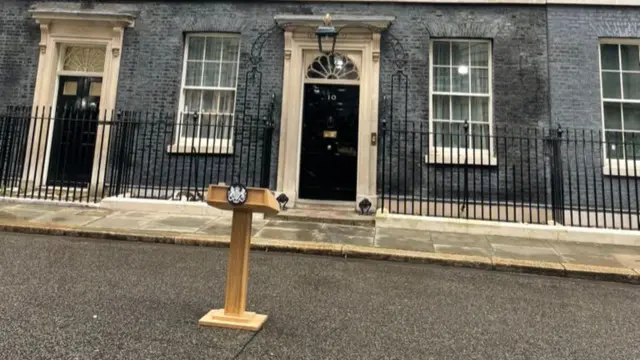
248 321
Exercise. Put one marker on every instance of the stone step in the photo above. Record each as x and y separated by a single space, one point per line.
328 216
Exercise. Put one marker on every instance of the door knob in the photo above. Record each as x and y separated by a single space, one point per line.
329 147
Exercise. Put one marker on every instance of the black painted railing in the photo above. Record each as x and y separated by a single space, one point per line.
84 156
572 177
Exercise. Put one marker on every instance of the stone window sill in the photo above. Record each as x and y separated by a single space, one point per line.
628 168
460 157
217 147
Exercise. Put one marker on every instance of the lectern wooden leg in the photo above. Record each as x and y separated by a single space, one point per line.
233 315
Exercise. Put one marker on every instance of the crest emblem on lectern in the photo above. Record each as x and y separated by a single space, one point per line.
237 194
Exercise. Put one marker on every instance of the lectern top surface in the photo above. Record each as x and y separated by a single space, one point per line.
258 200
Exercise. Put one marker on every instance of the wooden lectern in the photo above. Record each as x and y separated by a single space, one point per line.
243 202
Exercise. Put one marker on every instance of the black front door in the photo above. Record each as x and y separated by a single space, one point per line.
74 131
329 154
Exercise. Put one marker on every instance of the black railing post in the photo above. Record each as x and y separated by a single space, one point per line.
557 177
465 202
267 142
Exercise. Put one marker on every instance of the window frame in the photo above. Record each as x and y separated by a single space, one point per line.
184 145
616 166
461 155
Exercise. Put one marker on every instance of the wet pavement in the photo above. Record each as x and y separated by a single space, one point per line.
291 228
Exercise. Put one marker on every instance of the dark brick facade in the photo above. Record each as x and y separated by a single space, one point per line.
152 58
574 34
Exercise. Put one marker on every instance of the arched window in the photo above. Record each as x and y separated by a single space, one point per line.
333 67
84 59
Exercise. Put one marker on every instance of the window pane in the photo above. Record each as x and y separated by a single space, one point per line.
192 100
441 107
479 109
630 59
458 137
480 54
229 75
480 81
612 119
632 149
460 52
460 82
227 99
479 137
209 102
631 86
614 145
449 135
224 126
609 57
441 79
188 126
460 108
194 73
631 116
211 74
611 85
196 47
208 127
441 134
441 53
231 48
214 48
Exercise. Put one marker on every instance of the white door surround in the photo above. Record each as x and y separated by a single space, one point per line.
59 29
359 39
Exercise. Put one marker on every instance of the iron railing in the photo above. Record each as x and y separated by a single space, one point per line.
572 177
83 156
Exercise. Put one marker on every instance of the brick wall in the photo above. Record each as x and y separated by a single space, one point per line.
574 34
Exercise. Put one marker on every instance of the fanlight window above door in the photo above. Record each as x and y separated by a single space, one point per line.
84 59
333 67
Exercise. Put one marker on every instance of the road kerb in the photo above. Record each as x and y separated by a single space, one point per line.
602 273
478 262
529 266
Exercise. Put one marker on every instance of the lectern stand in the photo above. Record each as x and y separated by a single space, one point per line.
243 202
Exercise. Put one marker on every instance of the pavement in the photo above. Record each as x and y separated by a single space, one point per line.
74 298
360 239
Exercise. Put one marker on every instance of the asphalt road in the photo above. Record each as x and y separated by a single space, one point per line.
66 298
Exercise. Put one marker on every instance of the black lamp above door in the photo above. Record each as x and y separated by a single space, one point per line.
327 31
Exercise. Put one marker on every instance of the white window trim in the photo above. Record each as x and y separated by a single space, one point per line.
466 156
616 167
189 145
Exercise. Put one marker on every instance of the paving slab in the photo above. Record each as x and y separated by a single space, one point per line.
289 234
17 214
591 260
462 250
563 247
116 222
460 240
517 241
217 229
546 254
403 239
296 225
179 223
66 217
630 261
95 212
348 230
